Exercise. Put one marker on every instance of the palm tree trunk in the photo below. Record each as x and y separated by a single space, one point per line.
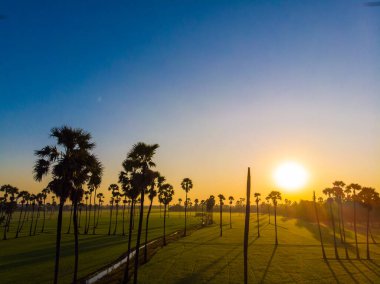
356 236
319 229
85 220
71 215
126 270
368 256
185 214
31 223
23 219
230 218
258 221
246 227
164 224
139 230
6 225
76 241
80 215
275 222
269 213
19 221
117 211
146 232
109 228
94 223
43 222
99 212
344 233
38 215
333 225
58 242
221 228
89 214
123 219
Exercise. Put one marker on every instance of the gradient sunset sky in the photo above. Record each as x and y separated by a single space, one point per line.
220 85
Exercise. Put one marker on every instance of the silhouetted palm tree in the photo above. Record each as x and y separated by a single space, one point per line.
33 198
186 185
113 188
10 203
39 201
21 195
319 226
156 181
27 200
117 200
165 194
339 196
202 206
221 203
45 193
329 192
138 162
100 197
196 202
70 162
231 199
368 196
275 196
257 199
355 187
246 226
268 207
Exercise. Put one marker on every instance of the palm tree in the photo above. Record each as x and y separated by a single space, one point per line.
125 201
196 202
268 207
275 196
39 199
354 187
257 196
100 197
86 196
339 196
70 161
23 195
165 194
319 226
367 197
27 200
156 181
45 193
202 206
33 198
329 192
117 200
113 188
10 206
231 199
246 226
186 185
139 160
221 203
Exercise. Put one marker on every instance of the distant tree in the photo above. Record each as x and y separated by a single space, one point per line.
23 195
117 199
125 202
257 199
231 199
210 203
221 203
33 198
86 197
329 193
319 226
10 204
26 212
338 192
353 187
45 192
113 188
268 207
39 201
275 196
100 197
202 208
186 185
367 197
246 226
165 194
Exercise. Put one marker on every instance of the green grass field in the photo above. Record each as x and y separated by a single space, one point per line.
204 257
30 259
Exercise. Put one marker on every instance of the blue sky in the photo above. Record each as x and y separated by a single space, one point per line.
220 85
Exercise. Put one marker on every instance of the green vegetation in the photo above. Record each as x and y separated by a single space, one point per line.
205 257
31 259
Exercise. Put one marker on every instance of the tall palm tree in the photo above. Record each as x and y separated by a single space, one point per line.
246 226
275 196
113 188
196 202
319 226
27 200
355 187
367 197
86 197
69 163
125 202
202 206
268 207
140 160
329 192
186 185
117 200
33 198
165 194
338 192
39 200
100 197
45 193
221 203
156 181
231 199
257 199
21 195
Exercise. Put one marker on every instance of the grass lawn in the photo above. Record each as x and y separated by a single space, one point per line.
204 257
30 259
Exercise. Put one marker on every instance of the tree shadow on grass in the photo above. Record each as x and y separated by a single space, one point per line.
348 272
332 271
374 270
268 265
361 272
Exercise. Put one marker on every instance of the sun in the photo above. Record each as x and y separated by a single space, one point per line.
290 176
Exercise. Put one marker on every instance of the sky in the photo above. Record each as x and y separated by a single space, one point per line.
219 85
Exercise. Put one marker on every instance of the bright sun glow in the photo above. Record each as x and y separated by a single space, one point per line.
290 176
